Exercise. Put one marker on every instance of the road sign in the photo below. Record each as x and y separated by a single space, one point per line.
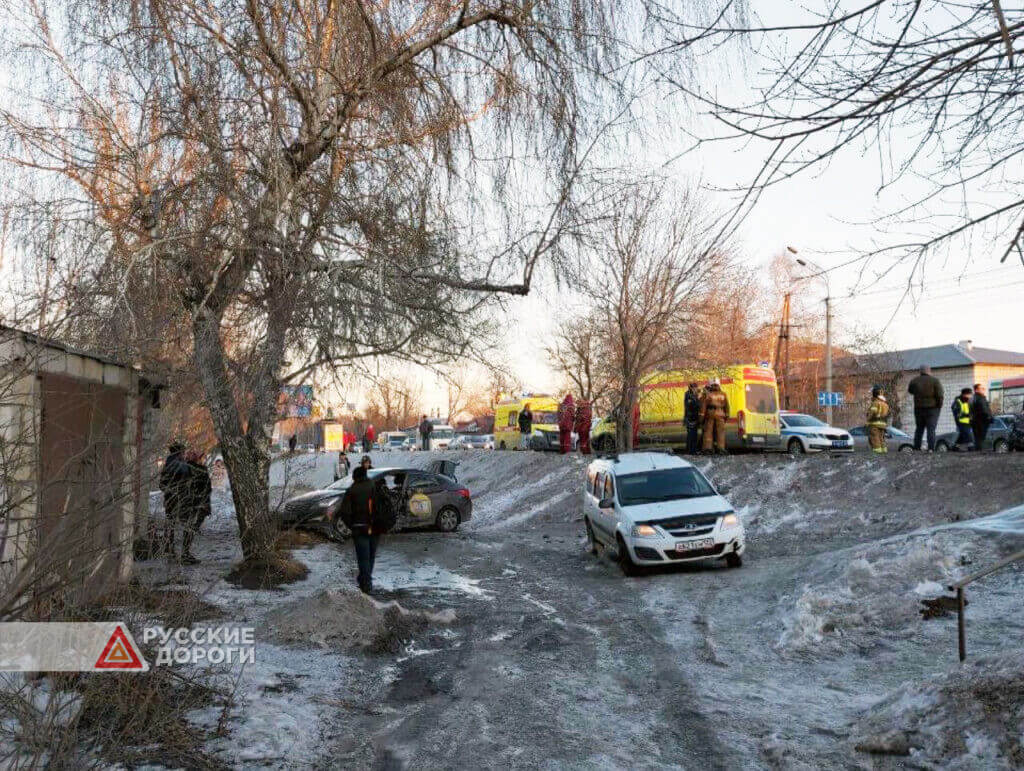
830 399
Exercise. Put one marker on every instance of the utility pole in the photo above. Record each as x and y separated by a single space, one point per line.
828 356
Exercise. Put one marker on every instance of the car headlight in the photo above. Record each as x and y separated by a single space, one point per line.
730 521
644 531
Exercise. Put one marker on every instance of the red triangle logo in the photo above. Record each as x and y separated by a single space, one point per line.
120 653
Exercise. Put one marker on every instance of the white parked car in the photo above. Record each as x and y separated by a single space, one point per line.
653 508
805 433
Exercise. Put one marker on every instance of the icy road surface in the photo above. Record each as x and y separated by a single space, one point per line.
556 660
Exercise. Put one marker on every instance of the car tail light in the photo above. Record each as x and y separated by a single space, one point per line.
741 423
463 492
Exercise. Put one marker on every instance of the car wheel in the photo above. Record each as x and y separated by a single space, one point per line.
503 446
795 447
447 520
1000 445
591 540
340 530
626 564
906 448
941 447
733 560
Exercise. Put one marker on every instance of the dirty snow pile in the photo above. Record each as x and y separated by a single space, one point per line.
972 717
345 618
875 597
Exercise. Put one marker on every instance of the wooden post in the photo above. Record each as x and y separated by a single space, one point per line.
960 622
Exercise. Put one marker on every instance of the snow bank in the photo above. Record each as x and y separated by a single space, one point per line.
343 618
877 593
971 717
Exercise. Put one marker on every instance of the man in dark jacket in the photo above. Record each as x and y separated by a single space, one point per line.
981 416
174 479
691 418
356 511
196 506
928 398
525 427
426 429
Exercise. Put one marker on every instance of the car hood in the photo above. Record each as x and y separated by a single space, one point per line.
816 430
645 512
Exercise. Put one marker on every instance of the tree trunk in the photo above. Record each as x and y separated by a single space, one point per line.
246 452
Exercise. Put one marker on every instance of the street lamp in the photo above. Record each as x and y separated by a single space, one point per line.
823 274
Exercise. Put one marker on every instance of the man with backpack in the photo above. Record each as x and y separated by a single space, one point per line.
426 429
368 511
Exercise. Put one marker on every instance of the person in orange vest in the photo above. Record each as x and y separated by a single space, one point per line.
714 413
566 419
584 416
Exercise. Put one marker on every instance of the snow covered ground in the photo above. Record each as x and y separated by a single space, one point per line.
812 655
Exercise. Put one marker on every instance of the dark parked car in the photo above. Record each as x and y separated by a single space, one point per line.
422 499
895 439
997 439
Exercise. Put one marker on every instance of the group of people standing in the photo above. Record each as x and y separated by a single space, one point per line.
972 413
573 416
186 488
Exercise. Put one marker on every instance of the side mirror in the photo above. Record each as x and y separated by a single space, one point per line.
606 503
724 489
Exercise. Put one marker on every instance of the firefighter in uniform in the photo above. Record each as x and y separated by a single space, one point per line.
714 413
877 415
584 414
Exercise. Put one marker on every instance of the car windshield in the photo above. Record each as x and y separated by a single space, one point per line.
663 485
761 398
802 421
900 434
443 433
396 441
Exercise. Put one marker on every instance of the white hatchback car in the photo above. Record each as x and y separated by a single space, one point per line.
805 433
653 508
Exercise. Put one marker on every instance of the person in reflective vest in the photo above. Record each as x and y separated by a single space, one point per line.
962 416
877 417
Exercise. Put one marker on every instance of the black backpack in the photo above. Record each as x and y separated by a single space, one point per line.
384 515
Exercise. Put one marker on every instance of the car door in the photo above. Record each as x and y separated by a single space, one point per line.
423 497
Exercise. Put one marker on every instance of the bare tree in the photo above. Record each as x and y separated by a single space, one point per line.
289 173
576 355
930 88
661 255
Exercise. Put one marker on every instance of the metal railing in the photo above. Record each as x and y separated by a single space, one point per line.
961 600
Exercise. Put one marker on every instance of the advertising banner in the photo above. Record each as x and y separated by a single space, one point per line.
334 437
295 401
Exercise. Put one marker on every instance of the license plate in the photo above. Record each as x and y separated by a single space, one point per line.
703 543
757 439
839 443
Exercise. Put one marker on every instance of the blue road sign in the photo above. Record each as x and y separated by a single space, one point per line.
830 399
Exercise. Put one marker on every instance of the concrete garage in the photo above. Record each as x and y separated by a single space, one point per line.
72 450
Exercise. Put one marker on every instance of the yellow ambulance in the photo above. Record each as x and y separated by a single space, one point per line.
545 422
753 409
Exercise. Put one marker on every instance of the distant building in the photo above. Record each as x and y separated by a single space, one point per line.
956 366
